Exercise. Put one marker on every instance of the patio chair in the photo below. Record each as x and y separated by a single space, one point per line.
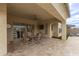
38 36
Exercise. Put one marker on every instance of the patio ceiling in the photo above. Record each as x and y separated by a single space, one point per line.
32 11
58 10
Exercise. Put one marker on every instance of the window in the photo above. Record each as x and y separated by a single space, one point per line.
41 27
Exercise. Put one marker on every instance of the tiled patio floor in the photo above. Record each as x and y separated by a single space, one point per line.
49 47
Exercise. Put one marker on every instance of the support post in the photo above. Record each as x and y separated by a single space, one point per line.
3 29
64 29
35 28
55 29
49 30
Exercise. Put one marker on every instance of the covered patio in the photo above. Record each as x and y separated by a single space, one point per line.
28 23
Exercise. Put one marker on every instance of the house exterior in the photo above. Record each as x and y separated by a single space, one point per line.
73 31
49 17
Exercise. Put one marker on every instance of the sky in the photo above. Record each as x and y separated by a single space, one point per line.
74 14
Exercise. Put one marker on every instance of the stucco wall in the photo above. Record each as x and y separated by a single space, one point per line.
15 19
3 29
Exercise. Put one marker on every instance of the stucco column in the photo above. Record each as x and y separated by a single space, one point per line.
35 28
64 34
55 29
3 29
49 31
